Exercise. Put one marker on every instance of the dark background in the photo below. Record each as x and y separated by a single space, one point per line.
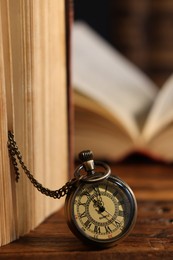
140 29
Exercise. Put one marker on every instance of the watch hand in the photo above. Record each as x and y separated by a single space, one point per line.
99 198
103 216
117 221
109 213
99 205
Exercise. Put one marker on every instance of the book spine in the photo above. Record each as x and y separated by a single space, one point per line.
69 22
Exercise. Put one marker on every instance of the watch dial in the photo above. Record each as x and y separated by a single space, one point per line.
103 212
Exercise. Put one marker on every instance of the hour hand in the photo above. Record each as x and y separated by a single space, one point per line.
97 193
99 205
101 209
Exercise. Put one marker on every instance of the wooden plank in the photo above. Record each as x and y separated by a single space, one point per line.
152 237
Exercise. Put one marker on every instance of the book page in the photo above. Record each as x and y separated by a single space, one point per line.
83 103
109 141
161 114
160 145
103 74
33 104
7 195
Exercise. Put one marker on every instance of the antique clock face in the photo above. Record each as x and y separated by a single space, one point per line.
101 213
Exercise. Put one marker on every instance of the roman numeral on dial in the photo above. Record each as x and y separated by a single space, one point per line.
108 230
97 230
87 224
82 215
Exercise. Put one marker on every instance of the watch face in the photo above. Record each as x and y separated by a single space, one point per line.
101 213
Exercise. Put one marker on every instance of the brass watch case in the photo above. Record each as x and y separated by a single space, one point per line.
78 232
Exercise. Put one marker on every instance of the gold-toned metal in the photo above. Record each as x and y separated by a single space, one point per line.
92 176
89 165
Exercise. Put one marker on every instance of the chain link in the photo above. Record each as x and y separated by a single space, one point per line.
16 154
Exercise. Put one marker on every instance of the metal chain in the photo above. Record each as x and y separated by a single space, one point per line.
16 154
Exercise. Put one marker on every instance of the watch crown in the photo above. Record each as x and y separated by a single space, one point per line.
86 155
87 159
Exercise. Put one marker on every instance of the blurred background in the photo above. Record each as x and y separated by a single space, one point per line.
142 30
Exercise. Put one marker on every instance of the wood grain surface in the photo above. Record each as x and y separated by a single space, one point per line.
151 238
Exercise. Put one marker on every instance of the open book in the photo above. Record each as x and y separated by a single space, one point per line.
33 104
118 110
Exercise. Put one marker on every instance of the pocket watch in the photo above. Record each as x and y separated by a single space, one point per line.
100 208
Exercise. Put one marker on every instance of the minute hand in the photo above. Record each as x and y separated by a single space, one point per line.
116 221
98 195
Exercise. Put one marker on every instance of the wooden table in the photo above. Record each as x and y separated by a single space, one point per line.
152 237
